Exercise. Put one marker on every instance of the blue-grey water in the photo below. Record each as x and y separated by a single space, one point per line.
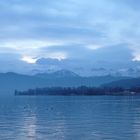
70 118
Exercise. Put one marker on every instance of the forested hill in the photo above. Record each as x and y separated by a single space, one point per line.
78 91
125 83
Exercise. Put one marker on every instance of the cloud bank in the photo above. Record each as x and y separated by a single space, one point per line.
68 29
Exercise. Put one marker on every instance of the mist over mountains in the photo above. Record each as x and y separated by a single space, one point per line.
116 60
107 66
103 67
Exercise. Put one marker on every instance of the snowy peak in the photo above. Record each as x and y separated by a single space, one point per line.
58 74
65 73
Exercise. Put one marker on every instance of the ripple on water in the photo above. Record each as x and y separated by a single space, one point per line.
68 118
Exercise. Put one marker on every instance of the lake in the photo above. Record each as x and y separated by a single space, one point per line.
70 118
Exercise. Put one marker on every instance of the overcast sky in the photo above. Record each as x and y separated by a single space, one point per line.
69 29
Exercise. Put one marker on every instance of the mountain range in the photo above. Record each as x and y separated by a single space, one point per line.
9 82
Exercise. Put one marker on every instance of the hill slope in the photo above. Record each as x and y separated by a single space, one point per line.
125 83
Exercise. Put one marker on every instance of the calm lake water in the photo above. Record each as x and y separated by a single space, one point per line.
70 118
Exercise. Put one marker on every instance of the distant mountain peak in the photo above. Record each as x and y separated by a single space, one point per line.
65 73
58 74
10 73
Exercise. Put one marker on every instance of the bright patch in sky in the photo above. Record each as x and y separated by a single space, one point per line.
136 58
57 55
93 47
29 59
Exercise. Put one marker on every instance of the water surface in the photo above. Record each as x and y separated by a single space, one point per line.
70 118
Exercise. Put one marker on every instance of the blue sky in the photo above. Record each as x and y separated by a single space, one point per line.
69 29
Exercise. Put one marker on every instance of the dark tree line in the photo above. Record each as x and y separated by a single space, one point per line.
83 90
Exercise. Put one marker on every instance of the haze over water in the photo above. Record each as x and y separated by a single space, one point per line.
69 118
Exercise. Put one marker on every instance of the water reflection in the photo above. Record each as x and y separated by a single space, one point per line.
30 127
68 118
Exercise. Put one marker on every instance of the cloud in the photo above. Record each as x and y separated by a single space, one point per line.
79 21
29 59
69 29
116 53
84 61
70 20
129 3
